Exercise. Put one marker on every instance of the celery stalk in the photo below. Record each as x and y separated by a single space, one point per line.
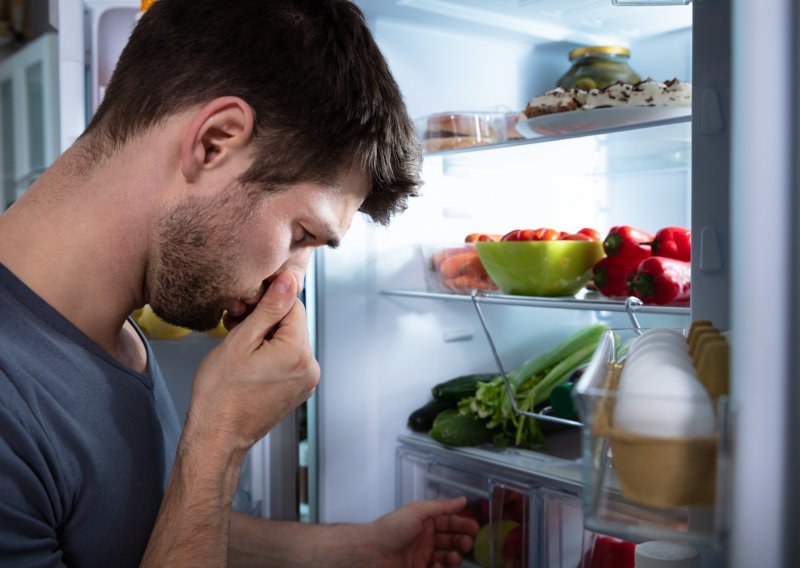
560 373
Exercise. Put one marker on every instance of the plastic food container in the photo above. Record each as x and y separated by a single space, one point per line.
640 487
455 269
596 67
450 130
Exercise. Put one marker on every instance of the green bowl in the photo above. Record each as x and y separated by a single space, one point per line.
540 268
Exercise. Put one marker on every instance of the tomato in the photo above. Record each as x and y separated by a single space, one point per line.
546 234
591 233
475 237
577 237
519 235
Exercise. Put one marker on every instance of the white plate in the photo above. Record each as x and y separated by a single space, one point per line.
575 121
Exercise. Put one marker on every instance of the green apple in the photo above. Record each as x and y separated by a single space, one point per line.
488 548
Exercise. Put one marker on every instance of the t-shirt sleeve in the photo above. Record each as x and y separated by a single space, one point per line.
30 509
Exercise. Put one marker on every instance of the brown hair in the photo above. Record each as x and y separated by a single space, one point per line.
321 91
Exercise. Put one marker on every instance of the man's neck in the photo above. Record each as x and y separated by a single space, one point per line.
80 245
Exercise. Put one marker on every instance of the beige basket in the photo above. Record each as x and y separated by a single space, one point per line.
660 472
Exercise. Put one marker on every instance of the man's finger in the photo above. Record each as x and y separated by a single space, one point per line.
271 309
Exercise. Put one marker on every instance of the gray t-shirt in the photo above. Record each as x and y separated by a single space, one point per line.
86 444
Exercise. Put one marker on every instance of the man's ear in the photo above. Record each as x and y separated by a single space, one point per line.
219 129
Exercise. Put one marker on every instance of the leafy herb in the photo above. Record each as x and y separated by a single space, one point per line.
531 384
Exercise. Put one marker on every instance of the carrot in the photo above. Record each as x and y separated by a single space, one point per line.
440 256
457 264
467 283
475 269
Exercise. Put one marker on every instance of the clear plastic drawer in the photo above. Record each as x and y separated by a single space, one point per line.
523 524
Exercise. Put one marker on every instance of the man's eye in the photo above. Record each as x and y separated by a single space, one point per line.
307 238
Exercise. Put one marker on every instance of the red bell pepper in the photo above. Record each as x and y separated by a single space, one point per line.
661 280
611 278
628 245
673 242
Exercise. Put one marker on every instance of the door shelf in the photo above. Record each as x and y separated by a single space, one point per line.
585 300
645 487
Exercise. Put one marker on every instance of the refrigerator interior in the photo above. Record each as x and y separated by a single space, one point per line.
381 352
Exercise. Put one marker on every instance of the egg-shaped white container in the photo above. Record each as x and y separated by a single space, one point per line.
661 336
668 402
653 346
650 361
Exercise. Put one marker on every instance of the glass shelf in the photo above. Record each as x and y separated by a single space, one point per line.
585 300
567 136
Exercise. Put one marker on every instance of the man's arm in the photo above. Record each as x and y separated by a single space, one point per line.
425 533
257 542
192 524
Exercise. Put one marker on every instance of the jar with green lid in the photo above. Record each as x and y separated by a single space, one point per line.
596 67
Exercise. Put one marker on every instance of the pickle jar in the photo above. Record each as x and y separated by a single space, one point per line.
596 67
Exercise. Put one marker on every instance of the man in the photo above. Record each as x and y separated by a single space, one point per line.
235 138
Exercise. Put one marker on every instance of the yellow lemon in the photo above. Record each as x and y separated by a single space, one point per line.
219 331
156 328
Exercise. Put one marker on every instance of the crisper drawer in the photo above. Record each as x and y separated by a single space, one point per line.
523 523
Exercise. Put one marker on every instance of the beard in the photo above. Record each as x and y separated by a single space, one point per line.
199 243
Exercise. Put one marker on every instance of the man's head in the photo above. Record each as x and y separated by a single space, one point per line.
321 93
302 86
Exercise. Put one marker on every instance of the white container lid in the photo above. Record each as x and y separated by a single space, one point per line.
664 554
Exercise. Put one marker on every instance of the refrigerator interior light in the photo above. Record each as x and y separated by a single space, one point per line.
496 19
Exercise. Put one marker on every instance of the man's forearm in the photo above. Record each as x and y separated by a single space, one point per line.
261 542
193 523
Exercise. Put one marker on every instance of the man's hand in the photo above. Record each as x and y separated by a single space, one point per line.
261 371
423 534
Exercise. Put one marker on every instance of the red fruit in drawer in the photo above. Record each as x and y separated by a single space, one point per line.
515 548
469 512
506 505
609 552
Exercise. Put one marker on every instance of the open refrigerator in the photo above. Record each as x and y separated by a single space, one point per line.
383 338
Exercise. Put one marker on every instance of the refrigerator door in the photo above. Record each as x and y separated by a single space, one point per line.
764 306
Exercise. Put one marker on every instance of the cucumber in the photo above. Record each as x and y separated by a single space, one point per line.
455 429
460 387
421 420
